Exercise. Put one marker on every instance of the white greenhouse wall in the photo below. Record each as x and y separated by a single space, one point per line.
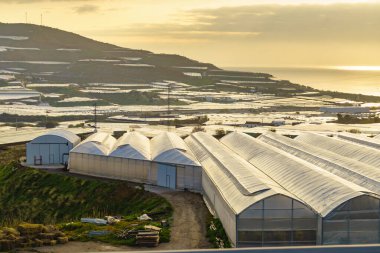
220 207
141 171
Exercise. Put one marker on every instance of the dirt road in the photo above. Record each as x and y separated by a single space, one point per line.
189 221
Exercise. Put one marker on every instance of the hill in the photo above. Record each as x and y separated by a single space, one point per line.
66 69
37 50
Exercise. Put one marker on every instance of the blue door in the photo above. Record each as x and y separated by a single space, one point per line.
166 176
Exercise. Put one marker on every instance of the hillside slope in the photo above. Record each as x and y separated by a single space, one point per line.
37 196
59 56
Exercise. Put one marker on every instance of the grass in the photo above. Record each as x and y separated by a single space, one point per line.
35 196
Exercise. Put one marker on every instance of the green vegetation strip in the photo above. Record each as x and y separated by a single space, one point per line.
30 195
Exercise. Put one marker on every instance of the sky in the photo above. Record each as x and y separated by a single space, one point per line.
228 33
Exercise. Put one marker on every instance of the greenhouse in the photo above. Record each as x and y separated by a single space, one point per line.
360 139
347 168
174 164
165 160
348 213
51 148
358 152
254 209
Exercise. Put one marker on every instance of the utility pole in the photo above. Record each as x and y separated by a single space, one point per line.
95 118
46 119
26 17
41 19
168 112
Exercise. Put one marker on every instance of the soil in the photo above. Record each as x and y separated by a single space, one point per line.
189 221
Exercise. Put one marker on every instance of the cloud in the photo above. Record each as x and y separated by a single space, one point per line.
86 8
345 23
38 1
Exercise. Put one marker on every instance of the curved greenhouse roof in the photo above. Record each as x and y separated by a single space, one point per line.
69 136
96 144
132 145
360 139
170 148
321 190
358 152
239 182
349 169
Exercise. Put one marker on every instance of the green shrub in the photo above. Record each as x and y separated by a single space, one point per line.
216 234
165 235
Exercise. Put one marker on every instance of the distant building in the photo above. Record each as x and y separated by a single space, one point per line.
278 122
51 148
345 110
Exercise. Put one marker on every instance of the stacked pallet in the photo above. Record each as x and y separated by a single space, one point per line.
148 238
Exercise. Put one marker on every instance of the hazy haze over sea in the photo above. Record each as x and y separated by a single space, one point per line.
335 79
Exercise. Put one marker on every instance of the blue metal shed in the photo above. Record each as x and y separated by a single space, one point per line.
51 148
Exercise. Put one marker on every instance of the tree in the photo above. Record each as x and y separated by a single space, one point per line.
219 133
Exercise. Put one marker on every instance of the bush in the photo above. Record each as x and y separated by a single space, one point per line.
49 124
216 234
219 133
198 129
165 235
354 131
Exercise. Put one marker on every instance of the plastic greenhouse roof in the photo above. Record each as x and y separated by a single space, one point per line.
360 139
349 169
170 148
239 183
132 145
71 137
96 144
321 190
358 152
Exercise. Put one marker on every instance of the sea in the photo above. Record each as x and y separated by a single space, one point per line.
351 80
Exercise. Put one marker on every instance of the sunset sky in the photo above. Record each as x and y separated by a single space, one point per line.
225 32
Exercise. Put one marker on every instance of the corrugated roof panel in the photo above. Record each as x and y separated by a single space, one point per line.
225 174
349 169
370 156
132 145
321 190
170 148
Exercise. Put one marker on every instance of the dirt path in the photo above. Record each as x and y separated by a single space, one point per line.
189 221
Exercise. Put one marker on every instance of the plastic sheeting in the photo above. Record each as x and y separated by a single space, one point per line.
349 169
225 170
69 136
96 144
132 145
170 148
319 189
360 139
358 152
